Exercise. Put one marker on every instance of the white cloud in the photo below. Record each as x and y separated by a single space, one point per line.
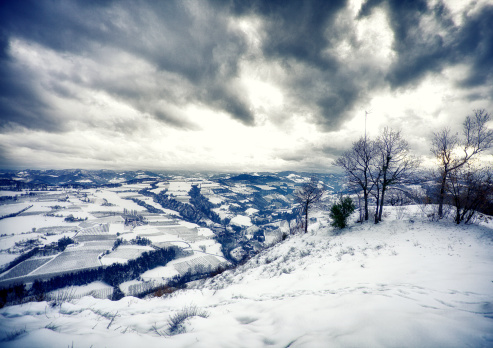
207 89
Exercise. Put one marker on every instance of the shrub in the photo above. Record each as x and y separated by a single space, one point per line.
63 242
176 322
340 211
141 241
163 290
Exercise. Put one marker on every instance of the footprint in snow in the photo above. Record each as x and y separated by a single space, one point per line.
245 320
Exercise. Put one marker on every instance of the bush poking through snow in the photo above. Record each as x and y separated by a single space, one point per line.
340 212
163 291
176 321
10 336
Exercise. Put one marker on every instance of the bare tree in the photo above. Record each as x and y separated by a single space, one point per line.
471 188
394 165
453 151
357 163
308 195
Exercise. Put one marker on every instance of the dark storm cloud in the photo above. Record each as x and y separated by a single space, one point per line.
196 55
296 29
475 41
5 161
421 50
20 103
298 34
195 44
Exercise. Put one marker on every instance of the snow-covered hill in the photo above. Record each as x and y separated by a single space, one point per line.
403 283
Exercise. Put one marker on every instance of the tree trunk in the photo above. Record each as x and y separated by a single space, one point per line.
384 188
441 197
360 210
365 197
377 205
306 218
457 209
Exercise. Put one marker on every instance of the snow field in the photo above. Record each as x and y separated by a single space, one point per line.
396 284
25 267
20 224
241 220
68 261
124 253
215 199
7 209
12 193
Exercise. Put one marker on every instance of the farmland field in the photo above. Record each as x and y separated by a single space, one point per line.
25 267
128 252
207 262
68 261
94 217
6 209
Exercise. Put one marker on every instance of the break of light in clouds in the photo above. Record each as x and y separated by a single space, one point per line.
233 85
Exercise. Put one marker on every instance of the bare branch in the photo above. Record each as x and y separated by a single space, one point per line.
453 152
307 196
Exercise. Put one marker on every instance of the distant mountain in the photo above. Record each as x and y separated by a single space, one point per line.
77 177
255 179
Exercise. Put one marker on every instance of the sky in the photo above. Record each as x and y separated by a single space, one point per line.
233 85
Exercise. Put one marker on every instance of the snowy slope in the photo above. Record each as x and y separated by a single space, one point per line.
398 284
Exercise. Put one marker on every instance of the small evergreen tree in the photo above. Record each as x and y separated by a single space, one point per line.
340 211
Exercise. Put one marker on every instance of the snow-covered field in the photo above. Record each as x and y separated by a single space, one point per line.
12 208
99 222
397 284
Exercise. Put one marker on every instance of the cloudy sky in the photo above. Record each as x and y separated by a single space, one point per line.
233 85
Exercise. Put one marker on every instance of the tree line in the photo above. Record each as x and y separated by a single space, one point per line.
373 166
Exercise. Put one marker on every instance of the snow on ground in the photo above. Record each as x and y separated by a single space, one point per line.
116 199
11 193
161 186
265 187
209 246
124 253
149 200
83 290
215 199
20 224
241 220
45 206
7 209
163 272
116 180
297 178
223 211
242 189
6 258
396 284
179 188
251 211
167 211
8 242
205 232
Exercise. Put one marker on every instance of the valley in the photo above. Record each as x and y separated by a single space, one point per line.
60 222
